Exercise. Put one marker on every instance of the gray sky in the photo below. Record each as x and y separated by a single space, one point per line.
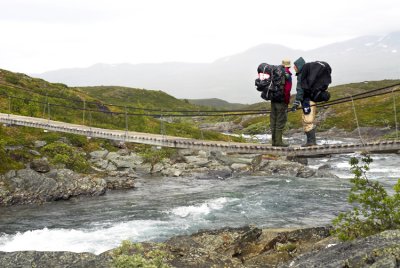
42 35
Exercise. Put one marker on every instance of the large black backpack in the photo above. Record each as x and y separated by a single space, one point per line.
315 79
271 81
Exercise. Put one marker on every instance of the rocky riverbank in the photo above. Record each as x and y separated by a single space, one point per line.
240 247
40 182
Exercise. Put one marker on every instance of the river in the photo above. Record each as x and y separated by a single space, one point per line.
160 208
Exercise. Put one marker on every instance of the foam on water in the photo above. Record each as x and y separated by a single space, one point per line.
97 238
94 240
201 209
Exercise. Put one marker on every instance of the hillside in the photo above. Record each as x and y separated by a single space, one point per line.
108 107
105 107
141 98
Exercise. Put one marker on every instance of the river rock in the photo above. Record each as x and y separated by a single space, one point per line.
239 167
95 155
40 165
119 182
285 168
34 152
53 259
247 246
39 144
29 186
381 250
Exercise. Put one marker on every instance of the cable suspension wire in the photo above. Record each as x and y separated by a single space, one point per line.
203 113
395 114
356 119
191 111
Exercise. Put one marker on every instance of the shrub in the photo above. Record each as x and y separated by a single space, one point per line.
132 255
154 156
375 209
61 153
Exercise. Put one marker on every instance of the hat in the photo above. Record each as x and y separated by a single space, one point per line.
286 63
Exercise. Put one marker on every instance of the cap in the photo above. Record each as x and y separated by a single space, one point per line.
286 63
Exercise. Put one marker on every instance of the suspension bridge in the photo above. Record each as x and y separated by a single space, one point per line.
179 142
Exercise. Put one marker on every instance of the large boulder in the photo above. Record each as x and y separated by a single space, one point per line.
29 186
381 250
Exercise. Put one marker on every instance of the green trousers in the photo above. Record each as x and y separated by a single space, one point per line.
278 119
278 116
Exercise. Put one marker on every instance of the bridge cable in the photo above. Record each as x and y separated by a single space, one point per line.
186 115
356 119
184 111
342 100
395 113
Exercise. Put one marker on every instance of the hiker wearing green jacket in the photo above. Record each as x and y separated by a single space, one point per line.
309 107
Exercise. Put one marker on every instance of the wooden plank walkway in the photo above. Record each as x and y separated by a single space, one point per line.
178 142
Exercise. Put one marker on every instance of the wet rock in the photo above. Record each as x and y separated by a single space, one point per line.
325 166
214 174
119 182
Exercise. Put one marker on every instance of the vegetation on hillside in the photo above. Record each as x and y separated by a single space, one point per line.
93 106
374 211
21 94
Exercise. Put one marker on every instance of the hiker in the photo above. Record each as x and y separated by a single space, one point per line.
279 108
309 108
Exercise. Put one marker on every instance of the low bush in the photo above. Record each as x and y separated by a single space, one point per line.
374 211
132 255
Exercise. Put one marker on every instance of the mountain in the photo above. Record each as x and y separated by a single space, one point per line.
232 78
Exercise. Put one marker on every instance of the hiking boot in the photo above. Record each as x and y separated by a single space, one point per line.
273 138
278 139
311 139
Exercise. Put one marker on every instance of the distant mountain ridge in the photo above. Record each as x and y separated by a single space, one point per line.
232 78
217 103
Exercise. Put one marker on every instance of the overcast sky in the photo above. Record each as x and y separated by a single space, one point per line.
42 35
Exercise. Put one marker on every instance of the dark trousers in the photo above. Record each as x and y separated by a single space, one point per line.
278 116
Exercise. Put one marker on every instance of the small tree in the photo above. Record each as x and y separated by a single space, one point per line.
374 211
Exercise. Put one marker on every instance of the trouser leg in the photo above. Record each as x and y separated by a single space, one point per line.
280 122
308 119
272 122
309 126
